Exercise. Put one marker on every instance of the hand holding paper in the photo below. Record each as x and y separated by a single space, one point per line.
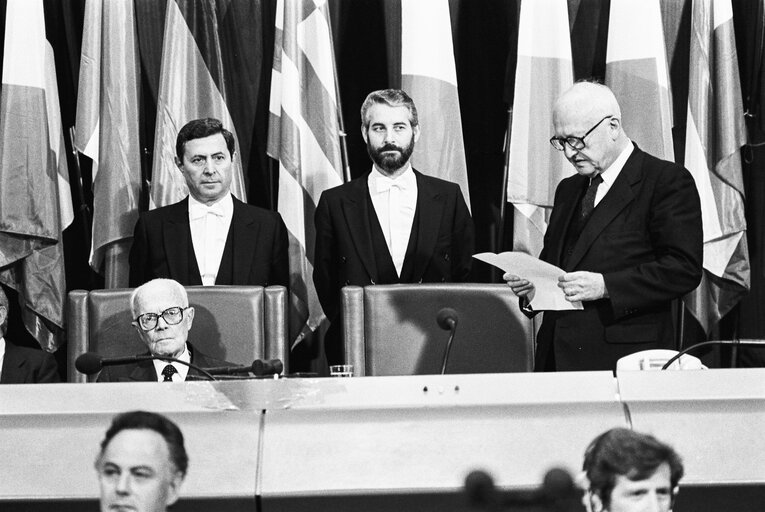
543 290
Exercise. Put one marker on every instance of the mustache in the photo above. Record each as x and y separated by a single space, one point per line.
390 147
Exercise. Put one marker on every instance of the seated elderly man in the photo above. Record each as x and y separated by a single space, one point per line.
630 472
162 317
142 463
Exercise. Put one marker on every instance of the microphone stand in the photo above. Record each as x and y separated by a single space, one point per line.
735 343
448 348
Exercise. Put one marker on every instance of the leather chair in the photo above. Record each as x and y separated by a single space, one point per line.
392 329
233 323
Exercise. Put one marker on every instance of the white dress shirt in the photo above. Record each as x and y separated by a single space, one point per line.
182 369
209 229
395 201
609 175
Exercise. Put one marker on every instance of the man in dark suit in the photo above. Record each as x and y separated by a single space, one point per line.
22 365
392 225
210 237
162 318
627 231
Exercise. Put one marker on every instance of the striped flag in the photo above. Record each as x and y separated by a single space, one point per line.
429 76
637 72
107 131
35 199
544 71
304 136
714 135
189 89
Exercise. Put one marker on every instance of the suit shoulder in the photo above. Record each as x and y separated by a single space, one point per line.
438 183
260 213
29 354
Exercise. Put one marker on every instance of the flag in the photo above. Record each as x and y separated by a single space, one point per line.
429 76
192 86
304 136
543 72
35 199
107 131
714 135
637 73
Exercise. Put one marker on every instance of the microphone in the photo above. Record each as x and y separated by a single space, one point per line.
447 320
258 368
745 342
557 492
90 363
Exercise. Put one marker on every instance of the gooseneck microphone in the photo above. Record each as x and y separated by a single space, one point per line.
447 320
90 363
744 342
557 492
259 368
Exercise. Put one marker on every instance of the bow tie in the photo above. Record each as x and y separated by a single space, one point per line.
383 184
198 211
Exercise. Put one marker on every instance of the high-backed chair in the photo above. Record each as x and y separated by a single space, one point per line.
392 329
235 323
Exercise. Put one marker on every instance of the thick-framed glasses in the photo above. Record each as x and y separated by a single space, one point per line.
575 143
171 316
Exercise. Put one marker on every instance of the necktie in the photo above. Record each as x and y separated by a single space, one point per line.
168 371
588 201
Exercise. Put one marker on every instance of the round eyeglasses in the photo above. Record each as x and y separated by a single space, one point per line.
575 143
171 316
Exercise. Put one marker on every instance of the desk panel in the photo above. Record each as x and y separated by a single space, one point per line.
715 419
426 433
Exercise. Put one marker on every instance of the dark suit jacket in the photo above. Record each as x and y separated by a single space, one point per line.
162 247
22 365
144 371
344 253
645 237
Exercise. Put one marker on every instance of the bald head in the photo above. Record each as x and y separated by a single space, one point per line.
588 99
590 112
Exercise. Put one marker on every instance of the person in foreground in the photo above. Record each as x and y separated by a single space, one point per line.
162 317
210 237
142 463
627 231
627 471
393 224
22 365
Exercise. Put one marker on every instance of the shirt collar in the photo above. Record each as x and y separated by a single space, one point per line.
378 182
223 207
610 174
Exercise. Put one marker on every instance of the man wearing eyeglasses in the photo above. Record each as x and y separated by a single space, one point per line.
162 317
627 231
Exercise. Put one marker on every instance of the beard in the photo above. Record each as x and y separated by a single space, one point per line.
392 161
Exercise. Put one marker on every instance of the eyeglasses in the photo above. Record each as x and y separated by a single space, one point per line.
171 316
575 143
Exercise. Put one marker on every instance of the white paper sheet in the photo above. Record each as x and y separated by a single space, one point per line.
547 296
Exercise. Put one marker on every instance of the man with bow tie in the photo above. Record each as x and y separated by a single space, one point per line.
210 237
392 225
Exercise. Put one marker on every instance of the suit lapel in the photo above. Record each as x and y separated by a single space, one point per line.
568 206
430 206
144 372
357 217
245 231
177 236
13 365
618 197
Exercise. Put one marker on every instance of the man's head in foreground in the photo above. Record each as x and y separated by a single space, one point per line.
142 463
631 472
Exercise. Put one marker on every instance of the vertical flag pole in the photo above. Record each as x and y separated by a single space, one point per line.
503 194
340 123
